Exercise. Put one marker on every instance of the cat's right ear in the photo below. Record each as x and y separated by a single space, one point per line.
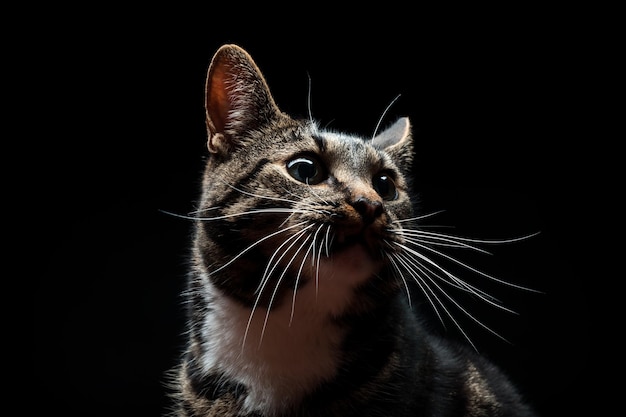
397 141
237 99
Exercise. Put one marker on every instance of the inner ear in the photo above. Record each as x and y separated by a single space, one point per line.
397 142
396 133
217 99
237 97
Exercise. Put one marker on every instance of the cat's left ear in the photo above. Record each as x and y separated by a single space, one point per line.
238 99
397 141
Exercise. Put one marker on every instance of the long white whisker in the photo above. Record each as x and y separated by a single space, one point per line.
315 242
267 273
459 239
382 116
294 201
319 257
464 284
259 195
399 271
315 261
308 100
423 216
280 279
310 206
419 280
265 280
191 212
255 244
315 194
439 240
284 222
295 288
327 242
454 281
244 213
442 304
450 258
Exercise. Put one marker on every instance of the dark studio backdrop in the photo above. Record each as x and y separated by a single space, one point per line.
493 112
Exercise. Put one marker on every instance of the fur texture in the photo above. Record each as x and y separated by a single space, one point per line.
306 244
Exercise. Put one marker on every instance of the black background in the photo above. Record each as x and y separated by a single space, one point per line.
498 104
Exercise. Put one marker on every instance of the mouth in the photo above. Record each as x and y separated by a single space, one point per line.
345 241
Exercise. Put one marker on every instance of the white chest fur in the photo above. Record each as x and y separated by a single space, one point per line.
280 357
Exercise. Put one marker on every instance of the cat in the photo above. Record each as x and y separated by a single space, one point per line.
304 247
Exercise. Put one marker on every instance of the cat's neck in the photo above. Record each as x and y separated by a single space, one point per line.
285 354
278 365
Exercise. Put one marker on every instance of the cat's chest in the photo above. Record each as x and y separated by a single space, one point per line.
283 355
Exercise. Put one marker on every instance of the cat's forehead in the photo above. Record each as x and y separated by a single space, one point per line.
349 148
343 142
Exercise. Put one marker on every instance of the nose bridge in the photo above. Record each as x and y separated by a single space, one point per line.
365 201
361 190
357 181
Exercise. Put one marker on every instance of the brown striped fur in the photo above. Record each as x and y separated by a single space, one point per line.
303 248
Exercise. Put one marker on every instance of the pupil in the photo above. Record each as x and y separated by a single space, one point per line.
383 185
306 170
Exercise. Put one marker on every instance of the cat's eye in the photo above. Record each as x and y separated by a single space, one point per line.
306 169
385 187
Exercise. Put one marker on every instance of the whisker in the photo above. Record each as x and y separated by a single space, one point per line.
259 195
257 243
280 279
469 267
265 280
295 288
204 209
437 239
244 213
453 301
426 273
423 216
315 194
464 284
319 257
312 207
284 222
299 274
315 261
266 273
459 239
297 199
399 272
328 242
382 116
426 290
308 100
453 281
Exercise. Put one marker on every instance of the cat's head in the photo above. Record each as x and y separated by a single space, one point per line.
286 203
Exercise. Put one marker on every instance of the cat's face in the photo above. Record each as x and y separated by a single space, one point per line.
287 205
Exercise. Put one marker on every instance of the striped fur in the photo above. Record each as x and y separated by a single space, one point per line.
302 253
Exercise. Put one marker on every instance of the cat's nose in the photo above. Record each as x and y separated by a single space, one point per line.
368 209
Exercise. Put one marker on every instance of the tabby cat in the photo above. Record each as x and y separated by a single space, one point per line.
304 250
